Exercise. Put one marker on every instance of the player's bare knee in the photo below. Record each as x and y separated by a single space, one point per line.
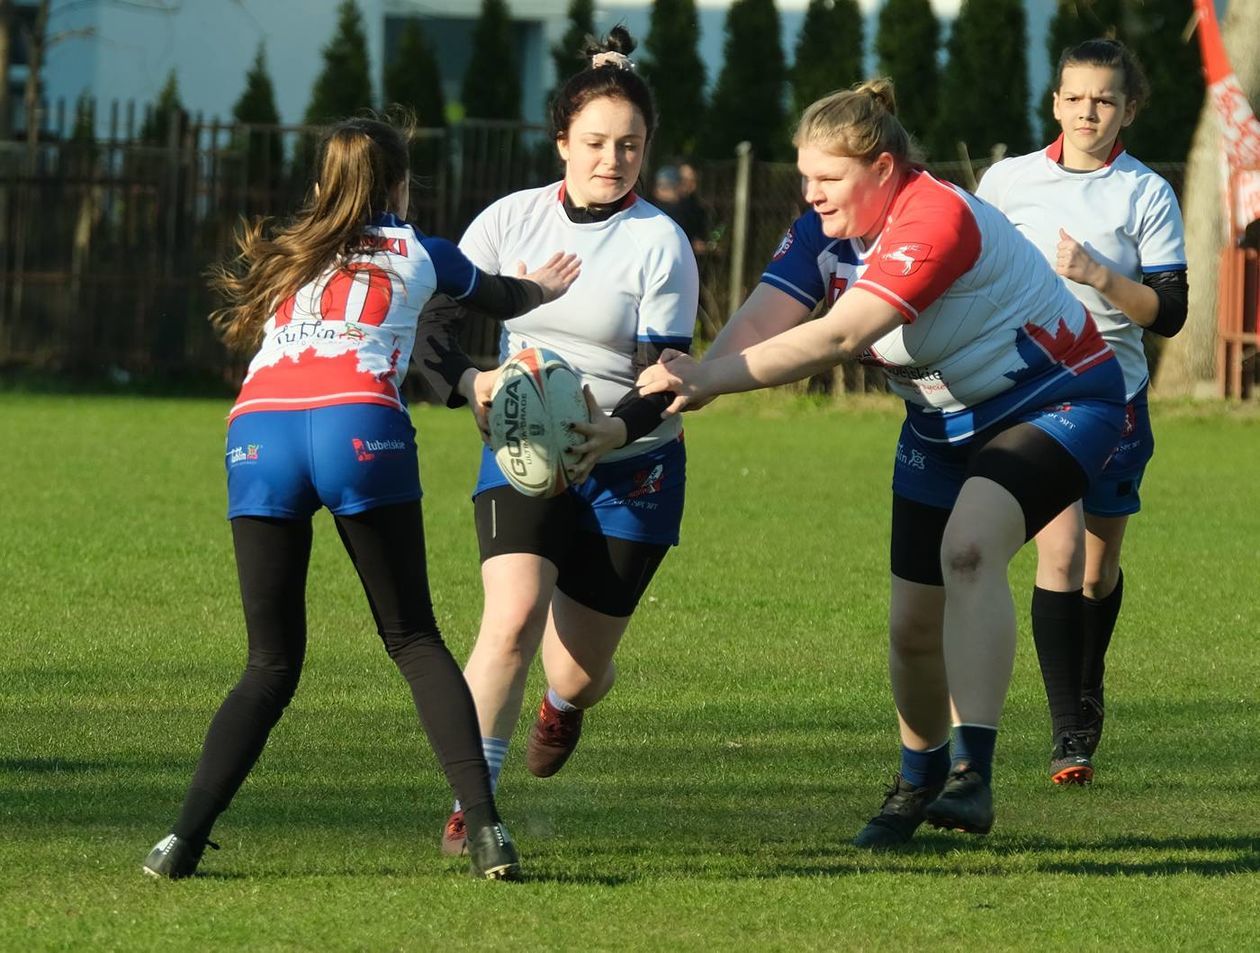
911 638
962 562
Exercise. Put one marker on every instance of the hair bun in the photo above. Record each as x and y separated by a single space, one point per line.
612 50
880 90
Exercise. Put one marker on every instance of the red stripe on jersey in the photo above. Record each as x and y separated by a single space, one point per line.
880 291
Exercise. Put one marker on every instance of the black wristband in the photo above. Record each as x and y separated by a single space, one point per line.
641 415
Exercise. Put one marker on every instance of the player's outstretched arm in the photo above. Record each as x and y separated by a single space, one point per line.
855 321
767 312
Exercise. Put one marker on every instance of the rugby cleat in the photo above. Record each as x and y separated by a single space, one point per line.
1069 762
1091 721
492 854
899 816
174 858
965 803
455 835
552 738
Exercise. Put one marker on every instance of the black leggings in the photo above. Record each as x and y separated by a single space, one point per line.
386 546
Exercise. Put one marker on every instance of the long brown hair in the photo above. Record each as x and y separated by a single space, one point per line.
361 163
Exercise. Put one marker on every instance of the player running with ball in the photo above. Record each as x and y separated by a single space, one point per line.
567 572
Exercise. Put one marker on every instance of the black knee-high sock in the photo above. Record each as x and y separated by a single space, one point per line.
1056 625
271 559
1099 622
387 547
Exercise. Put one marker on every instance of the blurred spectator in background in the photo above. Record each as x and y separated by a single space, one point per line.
674 194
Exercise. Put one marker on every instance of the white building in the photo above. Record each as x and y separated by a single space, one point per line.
125 52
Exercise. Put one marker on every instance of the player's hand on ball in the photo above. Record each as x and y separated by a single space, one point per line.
603 433
475 387
555 276
1074 263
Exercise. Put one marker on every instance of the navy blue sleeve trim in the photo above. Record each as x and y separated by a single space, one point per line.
786 286
456 275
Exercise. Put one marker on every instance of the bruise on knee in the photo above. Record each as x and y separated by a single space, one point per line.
963 562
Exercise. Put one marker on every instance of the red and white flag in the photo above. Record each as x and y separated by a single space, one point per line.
1240 130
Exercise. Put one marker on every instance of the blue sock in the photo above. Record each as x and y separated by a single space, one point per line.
922 768
558 703
973 744
495 750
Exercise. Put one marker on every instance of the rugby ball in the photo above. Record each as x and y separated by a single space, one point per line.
536 397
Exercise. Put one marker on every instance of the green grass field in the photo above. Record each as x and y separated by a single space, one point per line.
715 791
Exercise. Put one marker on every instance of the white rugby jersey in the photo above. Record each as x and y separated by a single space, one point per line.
346 337
638 283
989 325
1124 215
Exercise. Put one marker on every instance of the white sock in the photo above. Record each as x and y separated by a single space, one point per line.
558 703
495 750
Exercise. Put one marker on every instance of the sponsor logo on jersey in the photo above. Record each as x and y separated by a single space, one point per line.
366 450
904 259
784 244
246 454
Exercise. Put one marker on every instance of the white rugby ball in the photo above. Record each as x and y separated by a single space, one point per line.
536 397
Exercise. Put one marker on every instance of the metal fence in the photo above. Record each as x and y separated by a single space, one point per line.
104 242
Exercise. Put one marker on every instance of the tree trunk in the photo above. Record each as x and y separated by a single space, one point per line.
6 35
1188 363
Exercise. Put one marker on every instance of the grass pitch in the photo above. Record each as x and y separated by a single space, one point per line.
712 799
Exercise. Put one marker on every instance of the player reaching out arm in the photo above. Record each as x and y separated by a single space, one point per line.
329 301
1013 402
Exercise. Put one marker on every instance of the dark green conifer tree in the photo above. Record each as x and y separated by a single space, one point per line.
984 90
344 88
672 66
828 51
1163 131
566 55
492 85
748 101
166 111
907 39
414 81
264 152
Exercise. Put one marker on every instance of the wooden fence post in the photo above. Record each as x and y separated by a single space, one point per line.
739 227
